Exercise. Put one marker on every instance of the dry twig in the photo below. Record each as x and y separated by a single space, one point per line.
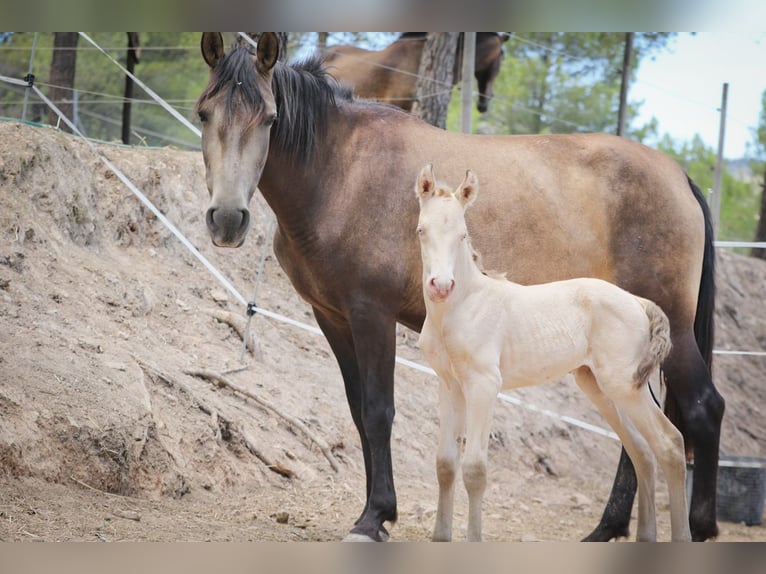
220 380
237 323
207 409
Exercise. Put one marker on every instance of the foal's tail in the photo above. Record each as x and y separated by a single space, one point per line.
659 341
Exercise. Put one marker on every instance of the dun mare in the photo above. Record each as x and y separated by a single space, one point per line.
483 334
390 75
338 174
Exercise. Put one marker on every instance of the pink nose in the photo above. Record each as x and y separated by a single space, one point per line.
440 290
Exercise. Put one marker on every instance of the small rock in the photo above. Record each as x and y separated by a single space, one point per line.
282 517
580 500
219 296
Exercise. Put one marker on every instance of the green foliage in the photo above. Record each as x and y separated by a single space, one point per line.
739 198
559 82
170 64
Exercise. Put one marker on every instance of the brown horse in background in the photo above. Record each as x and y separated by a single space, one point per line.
389 75
555 207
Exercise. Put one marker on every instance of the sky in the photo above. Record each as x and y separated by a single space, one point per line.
683 87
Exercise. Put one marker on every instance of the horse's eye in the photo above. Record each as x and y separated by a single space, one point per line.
420 231
203 116
270 121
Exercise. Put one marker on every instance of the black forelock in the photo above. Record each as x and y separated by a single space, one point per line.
235 74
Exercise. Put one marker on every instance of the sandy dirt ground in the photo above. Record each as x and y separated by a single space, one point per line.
107 434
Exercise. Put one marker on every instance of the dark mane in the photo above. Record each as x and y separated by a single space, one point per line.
304 91
412 36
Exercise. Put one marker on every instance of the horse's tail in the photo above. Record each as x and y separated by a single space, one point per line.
659 341
704 330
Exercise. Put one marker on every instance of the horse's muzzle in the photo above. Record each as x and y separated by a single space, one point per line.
228 227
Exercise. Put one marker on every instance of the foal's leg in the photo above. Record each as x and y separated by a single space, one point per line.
480 392
667 444
636 447
451 429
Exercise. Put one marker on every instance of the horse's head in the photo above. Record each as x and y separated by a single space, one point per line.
489 58
444 242
236 109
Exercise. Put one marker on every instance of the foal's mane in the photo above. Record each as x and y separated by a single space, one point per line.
442 190
304 92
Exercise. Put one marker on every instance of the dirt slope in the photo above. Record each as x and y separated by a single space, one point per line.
103 435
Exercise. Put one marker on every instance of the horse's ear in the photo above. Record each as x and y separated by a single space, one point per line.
468 190
212 48
426 184
504 36
268 51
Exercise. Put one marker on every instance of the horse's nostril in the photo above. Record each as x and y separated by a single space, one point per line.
210 219
245 219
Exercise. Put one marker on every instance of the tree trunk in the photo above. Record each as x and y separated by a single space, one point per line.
435 78
760 232
134 51
626 64
62 76
542 94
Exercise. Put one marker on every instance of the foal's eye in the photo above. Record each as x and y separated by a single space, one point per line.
420 231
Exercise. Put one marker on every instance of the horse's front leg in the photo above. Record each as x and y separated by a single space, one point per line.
480 390
370 391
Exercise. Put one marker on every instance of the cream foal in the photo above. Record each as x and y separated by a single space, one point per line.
483 334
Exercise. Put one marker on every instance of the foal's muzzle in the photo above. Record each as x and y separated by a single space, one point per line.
228 227
439 290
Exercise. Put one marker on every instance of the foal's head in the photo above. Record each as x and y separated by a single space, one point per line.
442 231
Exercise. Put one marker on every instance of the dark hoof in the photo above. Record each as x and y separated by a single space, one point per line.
707 533
604 533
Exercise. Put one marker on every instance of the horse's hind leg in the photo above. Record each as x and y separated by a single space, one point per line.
615 521
700 408
480 392
451 429
639 451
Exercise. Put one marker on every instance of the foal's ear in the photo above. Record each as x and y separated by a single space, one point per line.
268 51
468 190
212 47
426 184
